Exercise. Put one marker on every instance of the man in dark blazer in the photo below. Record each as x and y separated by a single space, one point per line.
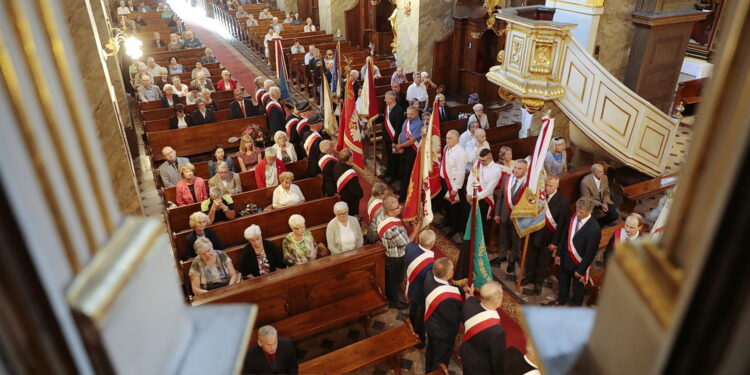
347 181
203 115
179 113
272 354
274 111
545 240
483 347
400 95
241 107
311 143
394 120
419 261
442 111
576 249
443 304
511 188
326 162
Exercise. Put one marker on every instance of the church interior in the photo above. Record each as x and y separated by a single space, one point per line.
375 187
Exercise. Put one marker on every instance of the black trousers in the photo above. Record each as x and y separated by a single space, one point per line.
609 217
509 240
393 164
394 276
407 163
565 278
439 351
416 315
537 262
454 213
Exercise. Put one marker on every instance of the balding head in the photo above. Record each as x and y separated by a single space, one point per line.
169 154
443 268
325 147
491 295
633 224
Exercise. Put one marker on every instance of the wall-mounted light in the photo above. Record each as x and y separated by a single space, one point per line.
131 44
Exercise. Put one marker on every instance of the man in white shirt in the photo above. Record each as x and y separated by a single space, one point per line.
485 174
468 135
510 192
310 54
452 175
417 91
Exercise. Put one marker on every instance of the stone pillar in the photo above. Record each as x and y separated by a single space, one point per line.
615 33
108 103
419 24
657 52
332 14
585 13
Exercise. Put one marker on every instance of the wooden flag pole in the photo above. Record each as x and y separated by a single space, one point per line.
473 237
523 262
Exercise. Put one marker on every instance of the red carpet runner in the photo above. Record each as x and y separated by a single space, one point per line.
228 58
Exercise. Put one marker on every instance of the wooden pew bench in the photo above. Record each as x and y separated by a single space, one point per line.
386 345
631 194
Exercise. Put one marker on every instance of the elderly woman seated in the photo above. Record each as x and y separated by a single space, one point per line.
169 99
219 207
284 149
480 116
259 256
199 221
556 160
343 232
287 193
226 83
209 57
191 188
299 247
210 269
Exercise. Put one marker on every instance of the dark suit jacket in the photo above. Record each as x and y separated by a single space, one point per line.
484 352
158 45
276 120
352 192
175 100
329 181
286 359
445 319
190 241
416 287
401 100
501 209
236 112
313 169
173 121
443 114
198 118
586 242
559 207
249 262
397 119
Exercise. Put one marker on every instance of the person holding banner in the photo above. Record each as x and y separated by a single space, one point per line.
576 249
379 192
442 316
394 237
486 174
419 261
483 347
311 143
394 120
510 192
545 240
407 145
452 175
347 181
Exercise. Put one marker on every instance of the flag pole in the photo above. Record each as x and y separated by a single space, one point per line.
473 236
523 262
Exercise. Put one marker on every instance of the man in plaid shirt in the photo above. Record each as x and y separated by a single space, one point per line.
394 237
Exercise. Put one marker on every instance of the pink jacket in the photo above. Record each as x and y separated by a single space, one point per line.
183 191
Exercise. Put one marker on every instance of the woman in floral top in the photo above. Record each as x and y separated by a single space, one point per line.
299 246
259 256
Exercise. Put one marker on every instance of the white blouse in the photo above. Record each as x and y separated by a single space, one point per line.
347 237
283 198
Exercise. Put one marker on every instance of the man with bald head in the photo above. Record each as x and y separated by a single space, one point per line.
511 188
631 231
452 176
483 346
169 171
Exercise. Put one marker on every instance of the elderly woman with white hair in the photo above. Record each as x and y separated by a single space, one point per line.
152 68
287 193
226 83
169 99
480 116
343 232
476 144
283 148
259 256
210 269
199 222
209 57
556 160
299 246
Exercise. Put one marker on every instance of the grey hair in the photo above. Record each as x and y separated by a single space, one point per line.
340 207
427 238
267 331
296 220
270 150
479 131
252 231
201 244
215 192
274 90
390 94
491 291
195 216
324 146
454 132
222 164
596 167
477 106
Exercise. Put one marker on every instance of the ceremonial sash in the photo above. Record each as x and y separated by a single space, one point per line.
259 95
621 235
577 258
264 97
438 295
480 322
344 179
549 221
388 126
388 223
409 135
486 199
301 124
310 141
290 125
416 266
272 104
373 207
324 160
446 176
509 197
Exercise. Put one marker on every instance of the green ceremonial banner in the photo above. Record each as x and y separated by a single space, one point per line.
482 270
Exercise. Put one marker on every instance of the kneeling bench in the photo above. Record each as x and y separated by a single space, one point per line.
364 353
358 307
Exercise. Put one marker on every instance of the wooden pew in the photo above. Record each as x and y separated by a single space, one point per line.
247 179
386 345
156 104
178 217
200 139
521 147
272 223
306 299
167 113
633 193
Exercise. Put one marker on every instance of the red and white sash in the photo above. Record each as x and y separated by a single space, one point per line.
446 177
437 296
388 223
344 179
409 135
509 196
416 266
259 95
310 141
301 124
324 160
488 199
290 125
480 322
373 207
621 235
388 126
549 221
272 104
264 97
574 254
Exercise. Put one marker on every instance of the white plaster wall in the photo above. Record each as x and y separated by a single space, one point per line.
332 16
435 23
